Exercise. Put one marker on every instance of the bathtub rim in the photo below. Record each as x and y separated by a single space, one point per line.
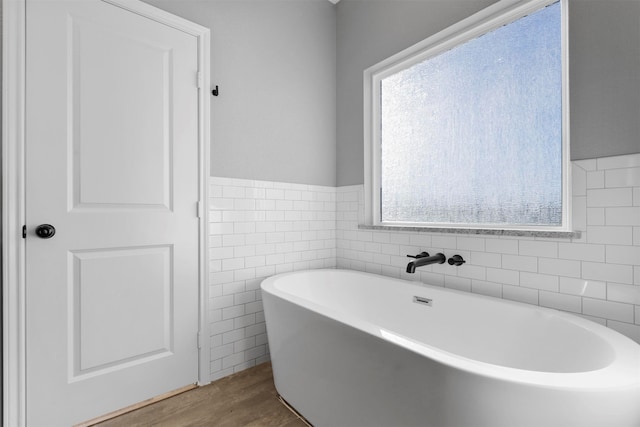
614 376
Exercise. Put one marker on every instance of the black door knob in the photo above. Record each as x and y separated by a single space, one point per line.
45 231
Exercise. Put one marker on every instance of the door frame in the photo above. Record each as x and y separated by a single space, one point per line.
14 196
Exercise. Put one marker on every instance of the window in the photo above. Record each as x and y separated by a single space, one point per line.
469 129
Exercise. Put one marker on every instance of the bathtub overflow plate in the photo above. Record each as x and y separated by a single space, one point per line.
423 301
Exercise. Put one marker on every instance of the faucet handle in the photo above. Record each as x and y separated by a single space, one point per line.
420 255
456 260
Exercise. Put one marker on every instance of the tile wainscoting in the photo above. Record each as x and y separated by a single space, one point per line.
258 229
262 228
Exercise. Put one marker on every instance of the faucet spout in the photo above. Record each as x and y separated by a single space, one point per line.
438 258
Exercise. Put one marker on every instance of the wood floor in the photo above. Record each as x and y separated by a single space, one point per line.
247 398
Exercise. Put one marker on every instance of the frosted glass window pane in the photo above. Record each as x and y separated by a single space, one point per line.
474 134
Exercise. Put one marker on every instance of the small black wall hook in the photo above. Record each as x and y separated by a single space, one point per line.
215 92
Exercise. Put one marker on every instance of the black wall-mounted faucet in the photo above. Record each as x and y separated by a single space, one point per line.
423 258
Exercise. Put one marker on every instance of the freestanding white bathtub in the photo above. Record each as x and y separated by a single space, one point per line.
354 349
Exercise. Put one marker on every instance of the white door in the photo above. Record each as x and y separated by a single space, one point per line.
112 164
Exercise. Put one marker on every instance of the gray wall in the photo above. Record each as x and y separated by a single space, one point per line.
604 68
274 61
604 43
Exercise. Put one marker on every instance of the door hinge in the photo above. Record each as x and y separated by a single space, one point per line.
24 231
199 339
199 209
199 79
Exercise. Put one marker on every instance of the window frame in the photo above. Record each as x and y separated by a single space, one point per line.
501 13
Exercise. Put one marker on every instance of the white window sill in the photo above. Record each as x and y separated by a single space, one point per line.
494 232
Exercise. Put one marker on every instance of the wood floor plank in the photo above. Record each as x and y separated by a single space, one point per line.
245 399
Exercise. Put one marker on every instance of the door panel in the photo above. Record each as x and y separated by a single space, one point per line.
142 139
112 163
110 331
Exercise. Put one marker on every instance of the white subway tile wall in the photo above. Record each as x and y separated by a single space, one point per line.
260 228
